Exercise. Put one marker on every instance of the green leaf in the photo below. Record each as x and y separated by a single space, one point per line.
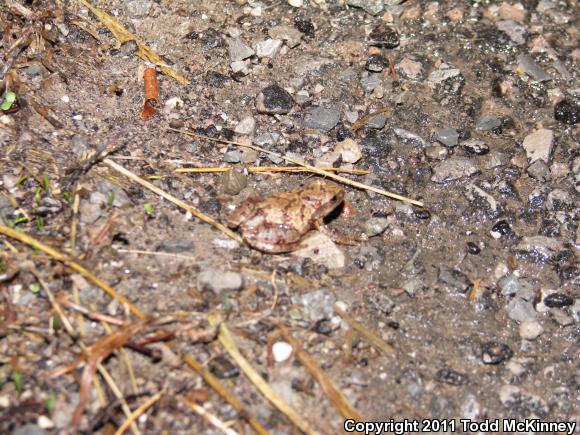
148 208
50 403
35 288
55 322
9 100
45 182
16 378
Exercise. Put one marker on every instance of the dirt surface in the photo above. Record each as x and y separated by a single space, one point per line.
477 292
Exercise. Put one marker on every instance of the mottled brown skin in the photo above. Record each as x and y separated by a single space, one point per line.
278 223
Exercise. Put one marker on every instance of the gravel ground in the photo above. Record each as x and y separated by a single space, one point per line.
470 107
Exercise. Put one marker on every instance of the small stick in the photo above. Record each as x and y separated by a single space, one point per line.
332 392
194 211
229 344
272 169
311 168
378 343
137 413
210 418
42 111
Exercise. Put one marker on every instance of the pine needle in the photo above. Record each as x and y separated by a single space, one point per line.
375 341
194 211
305 167
229 344
65 259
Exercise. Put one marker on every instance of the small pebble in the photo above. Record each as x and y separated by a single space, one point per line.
384 36
281 351
376 63
274 100
501 228
452 377
223 368
473 248
246 126
375 226
558 300
422 214
494 353
531 329
538 145
476 146
448 136
567 111
219 281
349 151
321 118
487 122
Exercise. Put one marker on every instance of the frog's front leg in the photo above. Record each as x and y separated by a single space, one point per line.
243 211
338 237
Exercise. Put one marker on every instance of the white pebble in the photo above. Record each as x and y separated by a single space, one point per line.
296 3
531 329
65 99
281 351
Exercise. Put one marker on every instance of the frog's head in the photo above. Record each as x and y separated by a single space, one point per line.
323 196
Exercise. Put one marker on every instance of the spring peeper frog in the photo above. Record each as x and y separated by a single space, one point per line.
278 222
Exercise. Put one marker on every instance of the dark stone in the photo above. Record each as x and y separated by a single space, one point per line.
384 36
212 206
343 132
274 100
567 111
376 63
495 353
502 228
451 377
322 327
223 368
304 25
215 79
422 214
550 228
472 248
476 147
558 300
211 39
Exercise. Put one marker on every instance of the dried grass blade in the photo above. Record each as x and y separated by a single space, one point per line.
334 395
194 211
214 382
72 264
306 167
378 343
229 344
137 413
123 35
211 418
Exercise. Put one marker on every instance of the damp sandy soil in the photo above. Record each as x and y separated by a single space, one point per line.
476 108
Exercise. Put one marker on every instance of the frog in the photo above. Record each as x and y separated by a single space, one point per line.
278 223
